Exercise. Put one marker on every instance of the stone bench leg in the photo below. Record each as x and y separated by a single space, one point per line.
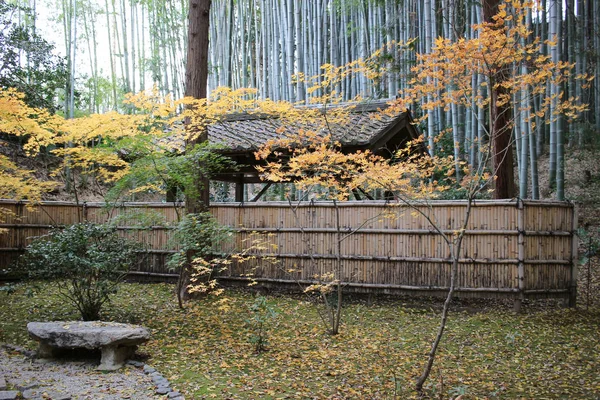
113 357
46 351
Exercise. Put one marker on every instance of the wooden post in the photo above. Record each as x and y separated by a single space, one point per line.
574 258
19 233
239 191
521 256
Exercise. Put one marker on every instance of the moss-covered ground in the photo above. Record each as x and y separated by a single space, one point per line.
206 351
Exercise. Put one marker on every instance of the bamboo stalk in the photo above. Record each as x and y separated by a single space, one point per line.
574 258
541 291
156 274
558 262
507 261
371 285
362 258
29 226
521 263
498 232
277 204
156 251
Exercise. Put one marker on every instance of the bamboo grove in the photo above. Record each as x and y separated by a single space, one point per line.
371 49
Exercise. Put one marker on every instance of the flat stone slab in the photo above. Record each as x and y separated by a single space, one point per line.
8 394
116 341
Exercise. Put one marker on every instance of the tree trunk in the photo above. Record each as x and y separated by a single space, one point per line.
500 121
196 80
196 76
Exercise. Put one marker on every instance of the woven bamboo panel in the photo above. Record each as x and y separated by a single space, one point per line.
384 273
369 216
387 246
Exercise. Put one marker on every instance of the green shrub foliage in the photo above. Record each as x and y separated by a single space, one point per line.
261 312
202 243
86 260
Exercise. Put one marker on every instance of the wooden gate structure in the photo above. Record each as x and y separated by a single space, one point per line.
513 249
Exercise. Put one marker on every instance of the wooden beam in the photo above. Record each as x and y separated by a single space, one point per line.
262 191
239 191
367 195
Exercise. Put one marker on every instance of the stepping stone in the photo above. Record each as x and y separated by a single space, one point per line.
137 364
59 396
2 383
163 390
148 369
8 394
44 393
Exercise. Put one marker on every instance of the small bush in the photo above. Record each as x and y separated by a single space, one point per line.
261 312
92 258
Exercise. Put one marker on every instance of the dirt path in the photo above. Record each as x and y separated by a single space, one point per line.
76 380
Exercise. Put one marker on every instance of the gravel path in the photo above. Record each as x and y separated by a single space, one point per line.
76 380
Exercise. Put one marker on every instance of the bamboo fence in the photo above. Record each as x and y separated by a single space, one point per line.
517 249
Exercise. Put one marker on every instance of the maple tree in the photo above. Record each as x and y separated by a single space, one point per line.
20 120
443 78
130 154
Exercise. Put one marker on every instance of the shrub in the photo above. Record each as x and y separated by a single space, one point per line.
202 243
92 258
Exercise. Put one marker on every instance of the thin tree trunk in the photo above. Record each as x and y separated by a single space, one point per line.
196 82
554 124
133 16
455 249
125 47
500 122
113 76
73 59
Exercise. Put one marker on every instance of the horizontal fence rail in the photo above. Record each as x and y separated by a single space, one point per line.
512 248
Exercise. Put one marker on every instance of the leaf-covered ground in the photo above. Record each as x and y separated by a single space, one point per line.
206 352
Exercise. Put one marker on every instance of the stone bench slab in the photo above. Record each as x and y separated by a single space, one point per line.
116 341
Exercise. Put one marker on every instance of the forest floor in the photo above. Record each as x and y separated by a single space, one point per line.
206 350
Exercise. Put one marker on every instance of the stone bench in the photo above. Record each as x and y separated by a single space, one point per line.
116 341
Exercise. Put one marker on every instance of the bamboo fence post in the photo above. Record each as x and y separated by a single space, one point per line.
20 233
521 255
574 258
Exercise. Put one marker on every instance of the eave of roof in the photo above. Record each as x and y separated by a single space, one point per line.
368 126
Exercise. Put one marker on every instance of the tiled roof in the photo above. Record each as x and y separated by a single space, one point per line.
366 123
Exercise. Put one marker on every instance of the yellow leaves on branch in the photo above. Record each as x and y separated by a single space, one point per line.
20 120
444 76
102 144
17 183
317 161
